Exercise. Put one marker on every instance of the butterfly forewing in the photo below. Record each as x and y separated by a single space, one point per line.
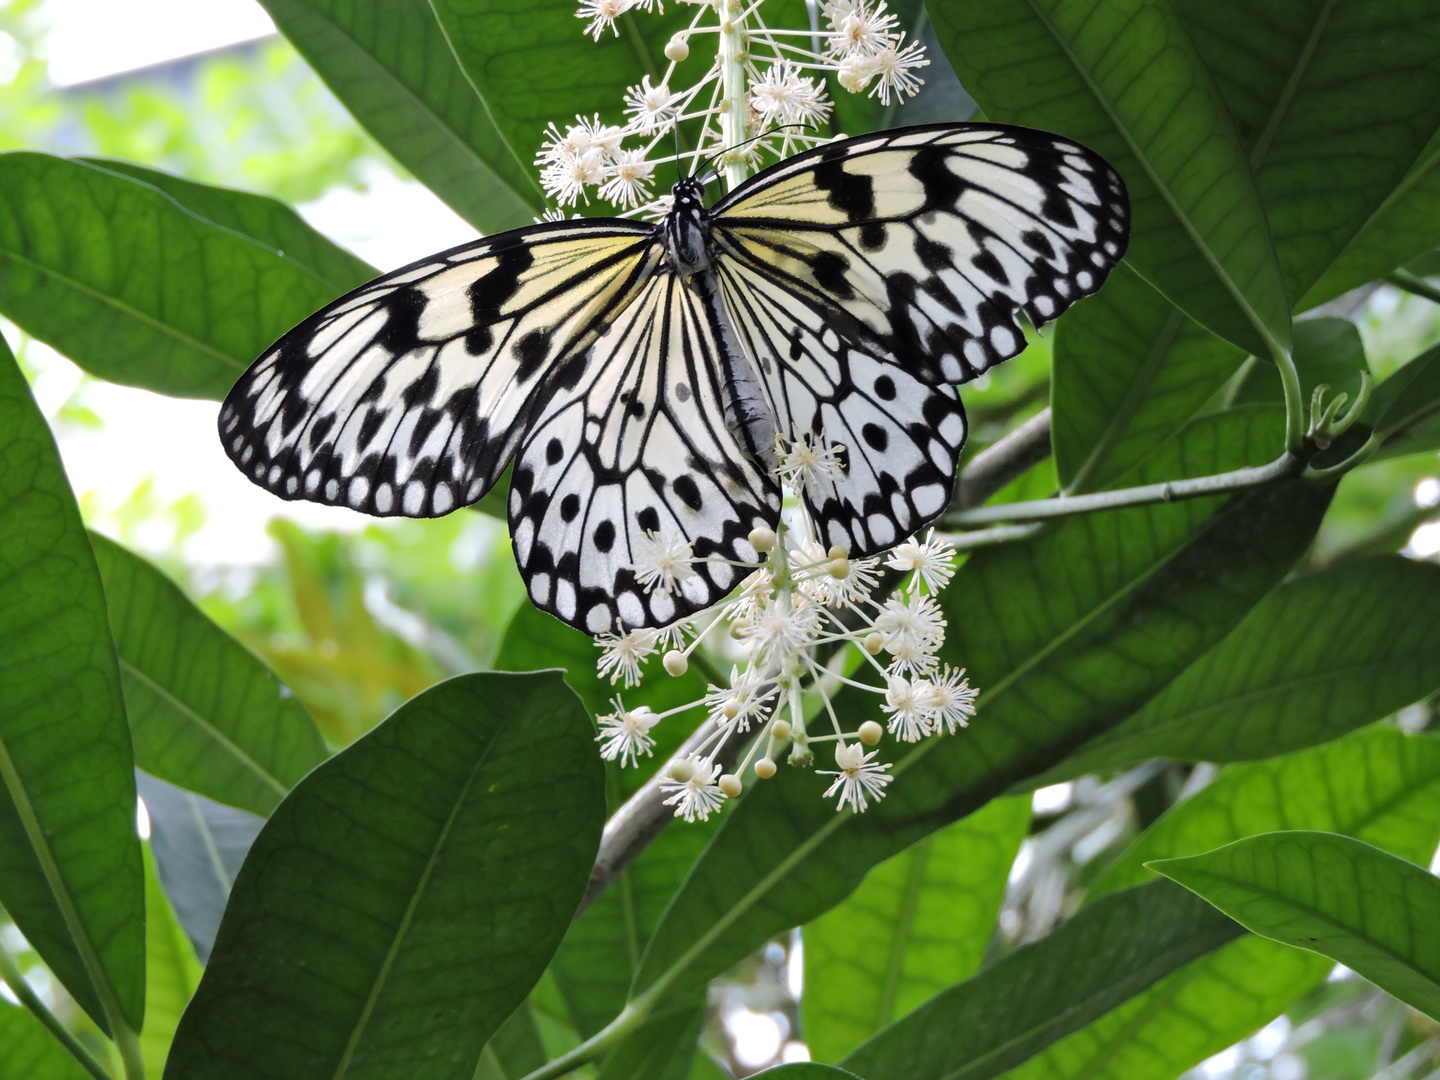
410 395
901 436
924 243
635 449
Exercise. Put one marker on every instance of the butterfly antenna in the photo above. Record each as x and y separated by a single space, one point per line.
764 134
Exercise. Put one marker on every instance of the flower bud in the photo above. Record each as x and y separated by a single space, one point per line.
677 49
840 568
838 551
870 732
680 770
762 538
675 663
739 628
730 785
780 729
874 642
764 768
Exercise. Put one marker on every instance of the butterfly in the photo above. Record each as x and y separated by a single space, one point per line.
645 379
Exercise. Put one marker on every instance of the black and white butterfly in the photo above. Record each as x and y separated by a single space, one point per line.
638 374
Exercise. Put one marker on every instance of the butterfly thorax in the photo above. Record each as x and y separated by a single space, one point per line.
685 228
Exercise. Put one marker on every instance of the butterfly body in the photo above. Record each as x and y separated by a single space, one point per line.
646 379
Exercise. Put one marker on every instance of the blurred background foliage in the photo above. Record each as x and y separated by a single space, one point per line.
358 620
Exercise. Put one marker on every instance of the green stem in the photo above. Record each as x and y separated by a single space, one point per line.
11 975
631 1017
1170 491
1412 283
1294 399
735 119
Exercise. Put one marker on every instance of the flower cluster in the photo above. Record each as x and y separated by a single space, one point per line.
764 93
799 628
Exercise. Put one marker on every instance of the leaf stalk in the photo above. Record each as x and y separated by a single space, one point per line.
11 976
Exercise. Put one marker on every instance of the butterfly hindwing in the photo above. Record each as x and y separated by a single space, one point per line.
901 436
635 447
926 241
410 395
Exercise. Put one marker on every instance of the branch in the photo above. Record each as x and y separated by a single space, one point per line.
1170 491
995 466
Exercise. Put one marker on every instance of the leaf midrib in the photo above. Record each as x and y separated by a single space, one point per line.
403 928
209 729
119 305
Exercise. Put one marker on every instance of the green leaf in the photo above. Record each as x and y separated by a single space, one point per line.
392 67
918 923
1407 399
660 1049
1123 79
807 1070
1209 1004
136 287
71 874
1344 899
31 1052
205 713
1130 370
516 1048
198 847
407 894
1378 785
1318 657
1403 227
1064 636
1332 103
1042 992
171 973
269 222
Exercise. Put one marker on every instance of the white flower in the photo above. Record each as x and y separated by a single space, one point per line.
915 623
812 468
602 15
662 561
565 179
855 73
858 777
783 96
746 698
932 563
650 108
622 654
894 66
625 734
951 700
629 179
698 797
778 633
860 32
907 704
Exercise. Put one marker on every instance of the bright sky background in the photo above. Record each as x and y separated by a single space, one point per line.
170 441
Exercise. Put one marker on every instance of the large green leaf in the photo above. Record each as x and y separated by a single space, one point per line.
1318 657
1403 227
1130 369
31 1052
1123 78
137 287
807 1070
660 1049
390 64
172 973
1327 351
1344 899
1044 991
1064 636
269 222
918 923
1332 102
404 898
1378 785
205 713
71 874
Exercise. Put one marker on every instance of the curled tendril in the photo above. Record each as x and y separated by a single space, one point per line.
1326 422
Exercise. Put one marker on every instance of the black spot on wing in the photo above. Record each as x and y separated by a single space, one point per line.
853 194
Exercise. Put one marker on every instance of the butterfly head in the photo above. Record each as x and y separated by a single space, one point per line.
685 230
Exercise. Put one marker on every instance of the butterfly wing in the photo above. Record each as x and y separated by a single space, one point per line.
409 395
923 243
901 435
635 447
